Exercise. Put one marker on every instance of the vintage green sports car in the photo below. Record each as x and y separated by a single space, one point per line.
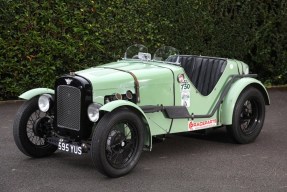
113 111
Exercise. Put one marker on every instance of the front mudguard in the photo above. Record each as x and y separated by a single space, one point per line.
123 103
226 111
35 92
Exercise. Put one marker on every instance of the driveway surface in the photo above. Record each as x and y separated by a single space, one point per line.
183 162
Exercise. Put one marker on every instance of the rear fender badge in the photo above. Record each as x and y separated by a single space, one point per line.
185 98
180 78
68 81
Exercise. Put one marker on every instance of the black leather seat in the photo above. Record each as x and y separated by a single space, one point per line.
203 72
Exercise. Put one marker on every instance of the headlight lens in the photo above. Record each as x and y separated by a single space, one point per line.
94 112
45 102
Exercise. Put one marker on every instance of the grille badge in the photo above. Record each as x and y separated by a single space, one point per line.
68 81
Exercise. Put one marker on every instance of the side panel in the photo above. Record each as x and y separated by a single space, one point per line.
226 111
34 92
184 125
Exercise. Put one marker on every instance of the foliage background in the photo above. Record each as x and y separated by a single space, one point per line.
40 40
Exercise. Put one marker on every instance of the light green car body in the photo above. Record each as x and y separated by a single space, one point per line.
159 86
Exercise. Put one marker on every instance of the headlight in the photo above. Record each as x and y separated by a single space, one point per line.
45 102
94 112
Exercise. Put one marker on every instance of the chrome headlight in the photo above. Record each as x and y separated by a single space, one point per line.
94 112
45 102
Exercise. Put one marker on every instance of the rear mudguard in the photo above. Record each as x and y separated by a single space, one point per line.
226 111
35 92
123 103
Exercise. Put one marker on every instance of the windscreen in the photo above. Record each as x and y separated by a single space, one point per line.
137 51
166 54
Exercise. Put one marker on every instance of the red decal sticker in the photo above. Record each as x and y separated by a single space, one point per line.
192 126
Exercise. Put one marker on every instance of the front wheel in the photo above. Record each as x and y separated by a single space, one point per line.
30 128
117 142
248 116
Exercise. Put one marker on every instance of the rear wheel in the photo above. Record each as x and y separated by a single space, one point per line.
30 129
117 142
248 116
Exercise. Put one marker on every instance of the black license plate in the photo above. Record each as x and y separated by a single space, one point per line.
70 148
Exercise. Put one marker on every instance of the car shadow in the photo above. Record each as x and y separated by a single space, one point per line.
216 135
173 147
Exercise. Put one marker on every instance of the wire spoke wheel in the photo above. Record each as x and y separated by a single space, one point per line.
121 144
117 142
248 116
30 128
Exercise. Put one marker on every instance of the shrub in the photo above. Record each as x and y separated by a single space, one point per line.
41 40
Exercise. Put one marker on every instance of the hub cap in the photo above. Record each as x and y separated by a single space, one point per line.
121 145
249 116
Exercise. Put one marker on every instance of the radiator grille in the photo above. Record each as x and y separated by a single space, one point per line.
68 107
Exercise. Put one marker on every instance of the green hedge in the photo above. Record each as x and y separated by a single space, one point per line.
41 40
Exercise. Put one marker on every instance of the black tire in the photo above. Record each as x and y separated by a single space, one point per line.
248 116
25 137
117 142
